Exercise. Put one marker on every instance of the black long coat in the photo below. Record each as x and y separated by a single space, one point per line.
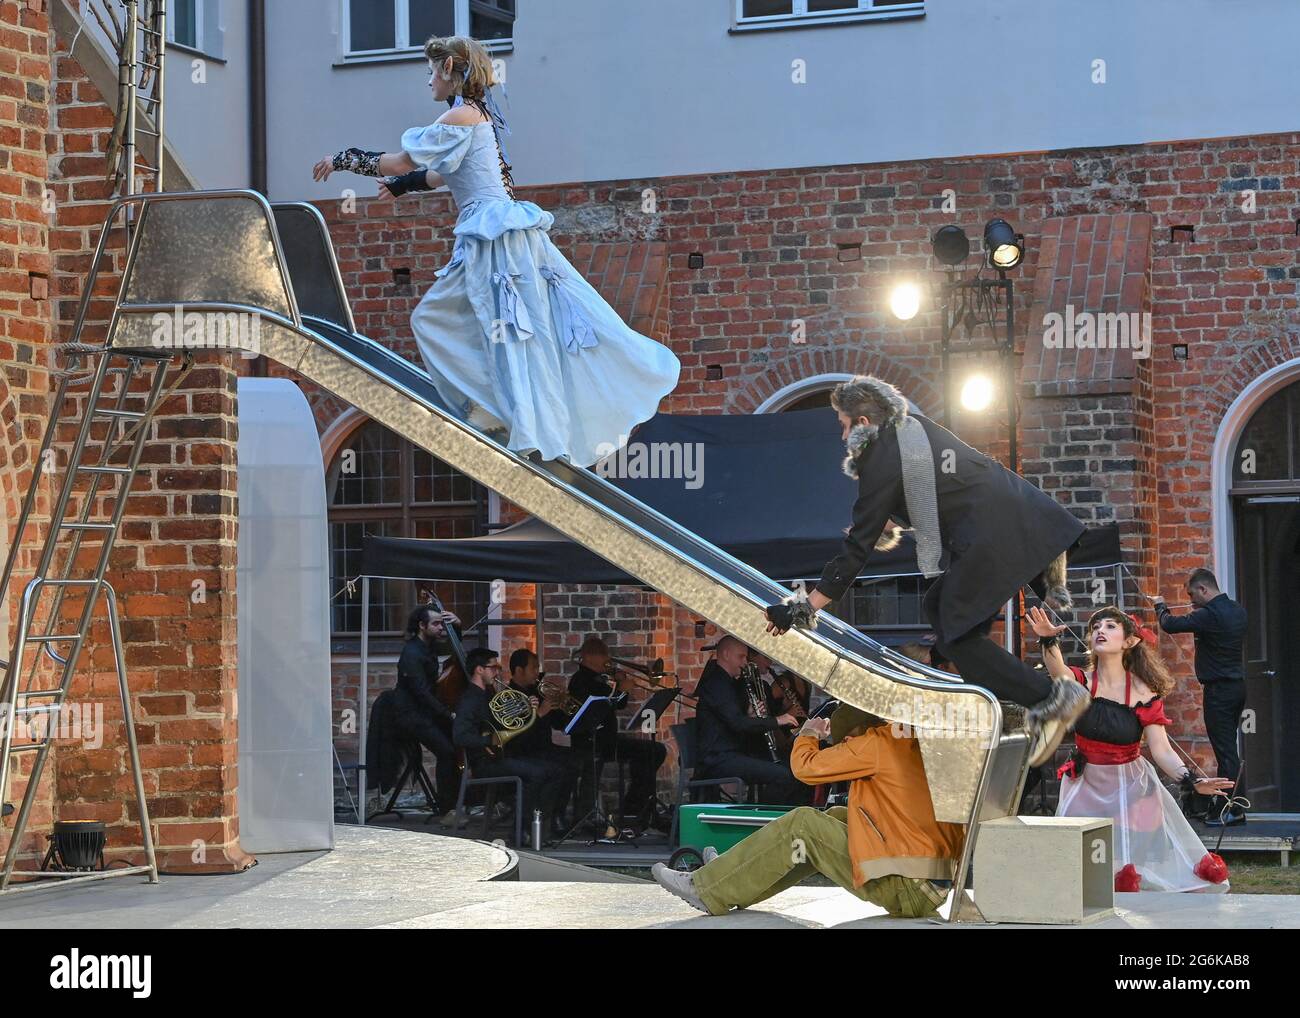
999 531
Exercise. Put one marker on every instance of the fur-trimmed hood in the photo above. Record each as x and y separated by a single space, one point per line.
880 402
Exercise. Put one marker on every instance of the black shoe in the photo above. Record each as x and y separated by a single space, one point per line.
8 808
1229 818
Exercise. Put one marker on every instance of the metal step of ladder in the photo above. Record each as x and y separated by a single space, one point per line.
92 460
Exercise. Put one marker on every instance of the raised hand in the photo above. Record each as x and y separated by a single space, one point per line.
1041 624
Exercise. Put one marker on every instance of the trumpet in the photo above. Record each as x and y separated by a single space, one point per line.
512 713
569 704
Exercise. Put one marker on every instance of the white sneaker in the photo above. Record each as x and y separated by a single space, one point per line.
709 854
678 883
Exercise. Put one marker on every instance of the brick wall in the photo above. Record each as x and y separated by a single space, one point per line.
180 524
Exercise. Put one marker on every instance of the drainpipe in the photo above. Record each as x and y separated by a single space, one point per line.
257 116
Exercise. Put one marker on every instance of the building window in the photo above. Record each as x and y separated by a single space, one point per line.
381 484
1268 452
377 27
186 27
751 14
196 25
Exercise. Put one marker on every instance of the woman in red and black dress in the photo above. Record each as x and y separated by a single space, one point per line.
1155 848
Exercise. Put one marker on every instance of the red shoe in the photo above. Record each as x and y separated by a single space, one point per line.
1128 879
1212 868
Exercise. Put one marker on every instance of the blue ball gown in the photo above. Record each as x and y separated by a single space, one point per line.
515 340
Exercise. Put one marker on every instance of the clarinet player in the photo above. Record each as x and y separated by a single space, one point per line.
725 729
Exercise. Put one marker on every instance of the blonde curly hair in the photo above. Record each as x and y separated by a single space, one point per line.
471 67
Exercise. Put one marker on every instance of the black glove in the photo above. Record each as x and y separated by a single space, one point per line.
416 180
358 161
791 615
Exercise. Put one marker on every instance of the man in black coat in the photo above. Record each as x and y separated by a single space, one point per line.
997 531
1218 624
419 713
726 732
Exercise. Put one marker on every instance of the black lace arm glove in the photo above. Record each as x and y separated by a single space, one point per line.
416 180
357 161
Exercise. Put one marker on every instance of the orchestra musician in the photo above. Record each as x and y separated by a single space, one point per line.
786 692
536 742
595 676
473 732
725 729
420 713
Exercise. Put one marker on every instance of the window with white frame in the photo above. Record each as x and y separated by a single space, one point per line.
776 13
186 23
196 25
396 26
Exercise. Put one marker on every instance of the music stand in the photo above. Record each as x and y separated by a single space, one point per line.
592 716
658 702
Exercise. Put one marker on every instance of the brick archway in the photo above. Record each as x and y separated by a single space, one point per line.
1230 405
849 360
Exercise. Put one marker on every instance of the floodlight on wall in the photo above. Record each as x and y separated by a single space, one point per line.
1005 247
951 245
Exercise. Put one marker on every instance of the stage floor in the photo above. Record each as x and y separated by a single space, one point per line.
379 877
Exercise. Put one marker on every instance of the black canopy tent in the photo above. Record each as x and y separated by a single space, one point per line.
766 488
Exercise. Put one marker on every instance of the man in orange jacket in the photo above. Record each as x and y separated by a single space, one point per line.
885 848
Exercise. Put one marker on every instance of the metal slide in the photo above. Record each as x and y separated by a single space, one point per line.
230 252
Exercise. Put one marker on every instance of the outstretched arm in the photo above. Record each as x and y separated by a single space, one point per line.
1169 761
367 164
880 492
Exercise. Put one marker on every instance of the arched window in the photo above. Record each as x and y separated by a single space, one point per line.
1268 452
379 483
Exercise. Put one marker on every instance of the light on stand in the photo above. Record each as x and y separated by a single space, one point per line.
977 393
905 301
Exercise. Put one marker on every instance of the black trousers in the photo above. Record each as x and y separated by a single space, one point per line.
1224 700
982 662
641 757
437 740
546 781
780 786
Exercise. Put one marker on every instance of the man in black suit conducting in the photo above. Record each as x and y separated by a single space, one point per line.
1218 624
998 532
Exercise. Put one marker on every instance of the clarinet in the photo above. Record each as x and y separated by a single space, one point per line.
757 701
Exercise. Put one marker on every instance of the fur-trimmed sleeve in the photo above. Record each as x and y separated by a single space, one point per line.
880 496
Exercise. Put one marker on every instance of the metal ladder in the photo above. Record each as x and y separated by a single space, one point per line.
118 455
136 71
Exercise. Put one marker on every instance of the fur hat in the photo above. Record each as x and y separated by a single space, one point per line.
872 398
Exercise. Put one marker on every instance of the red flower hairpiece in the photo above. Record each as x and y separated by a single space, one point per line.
1143 632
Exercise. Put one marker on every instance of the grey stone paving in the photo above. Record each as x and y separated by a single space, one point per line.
406 880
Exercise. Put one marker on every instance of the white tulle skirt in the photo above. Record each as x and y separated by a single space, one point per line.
1150 830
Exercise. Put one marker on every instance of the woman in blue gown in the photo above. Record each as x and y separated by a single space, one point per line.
514 339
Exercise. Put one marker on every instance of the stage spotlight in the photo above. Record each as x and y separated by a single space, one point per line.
1005 247
977 392
951 245
905 300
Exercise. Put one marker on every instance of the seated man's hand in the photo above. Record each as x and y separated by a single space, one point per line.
819 728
